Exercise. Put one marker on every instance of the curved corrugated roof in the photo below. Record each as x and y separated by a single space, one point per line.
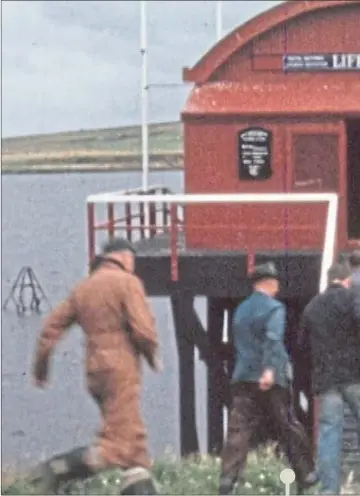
257 26
226 98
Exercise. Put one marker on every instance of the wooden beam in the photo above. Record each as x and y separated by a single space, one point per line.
181 306
216 393
197 335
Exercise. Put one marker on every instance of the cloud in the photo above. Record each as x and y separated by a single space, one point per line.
76 65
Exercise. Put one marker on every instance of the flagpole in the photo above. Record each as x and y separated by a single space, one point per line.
144 98
144 112
226 323
218 20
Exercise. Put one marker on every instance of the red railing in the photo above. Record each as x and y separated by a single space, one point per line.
177 227
154 217
169 223
134 219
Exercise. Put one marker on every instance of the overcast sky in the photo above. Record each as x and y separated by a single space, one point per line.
69 65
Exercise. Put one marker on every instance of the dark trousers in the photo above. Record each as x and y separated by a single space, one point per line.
250 408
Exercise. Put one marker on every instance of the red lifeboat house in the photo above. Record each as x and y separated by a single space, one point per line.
272 172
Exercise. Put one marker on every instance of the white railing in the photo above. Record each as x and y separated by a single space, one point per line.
185 199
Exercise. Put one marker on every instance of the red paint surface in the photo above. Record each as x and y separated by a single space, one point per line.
267 32
289 97
244 85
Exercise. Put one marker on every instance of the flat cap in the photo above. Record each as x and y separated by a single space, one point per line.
264 271
354 258
339 271
118 244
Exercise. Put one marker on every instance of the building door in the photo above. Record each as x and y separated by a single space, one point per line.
316 162
353 178
316 159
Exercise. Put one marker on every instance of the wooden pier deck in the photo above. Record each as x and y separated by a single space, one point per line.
220 273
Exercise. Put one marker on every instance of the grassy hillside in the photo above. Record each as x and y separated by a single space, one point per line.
113 148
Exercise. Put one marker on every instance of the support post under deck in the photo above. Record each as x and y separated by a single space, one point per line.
301 360
182 306
215 399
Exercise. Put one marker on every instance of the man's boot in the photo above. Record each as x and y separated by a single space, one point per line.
47 477
138 481
226 486
309 481
224 490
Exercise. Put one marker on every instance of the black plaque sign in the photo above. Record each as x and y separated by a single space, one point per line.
255 154
333 62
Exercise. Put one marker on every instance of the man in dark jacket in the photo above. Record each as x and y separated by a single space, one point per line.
328 332
260 384
354 261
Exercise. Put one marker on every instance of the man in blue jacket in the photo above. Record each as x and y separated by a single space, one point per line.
260 384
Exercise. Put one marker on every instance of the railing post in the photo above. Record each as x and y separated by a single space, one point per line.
142 218
250 260
152 219
128 221
91 231
165 210
111 220
173 242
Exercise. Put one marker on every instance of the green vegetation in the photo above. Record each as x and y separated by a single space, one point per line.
195 475
115 149
188 476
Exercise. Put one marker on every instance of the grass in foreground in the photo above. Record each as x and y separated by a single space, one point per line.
198 475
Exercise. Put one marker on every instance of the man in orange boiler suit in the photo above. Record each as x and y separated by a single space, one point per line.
110 306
